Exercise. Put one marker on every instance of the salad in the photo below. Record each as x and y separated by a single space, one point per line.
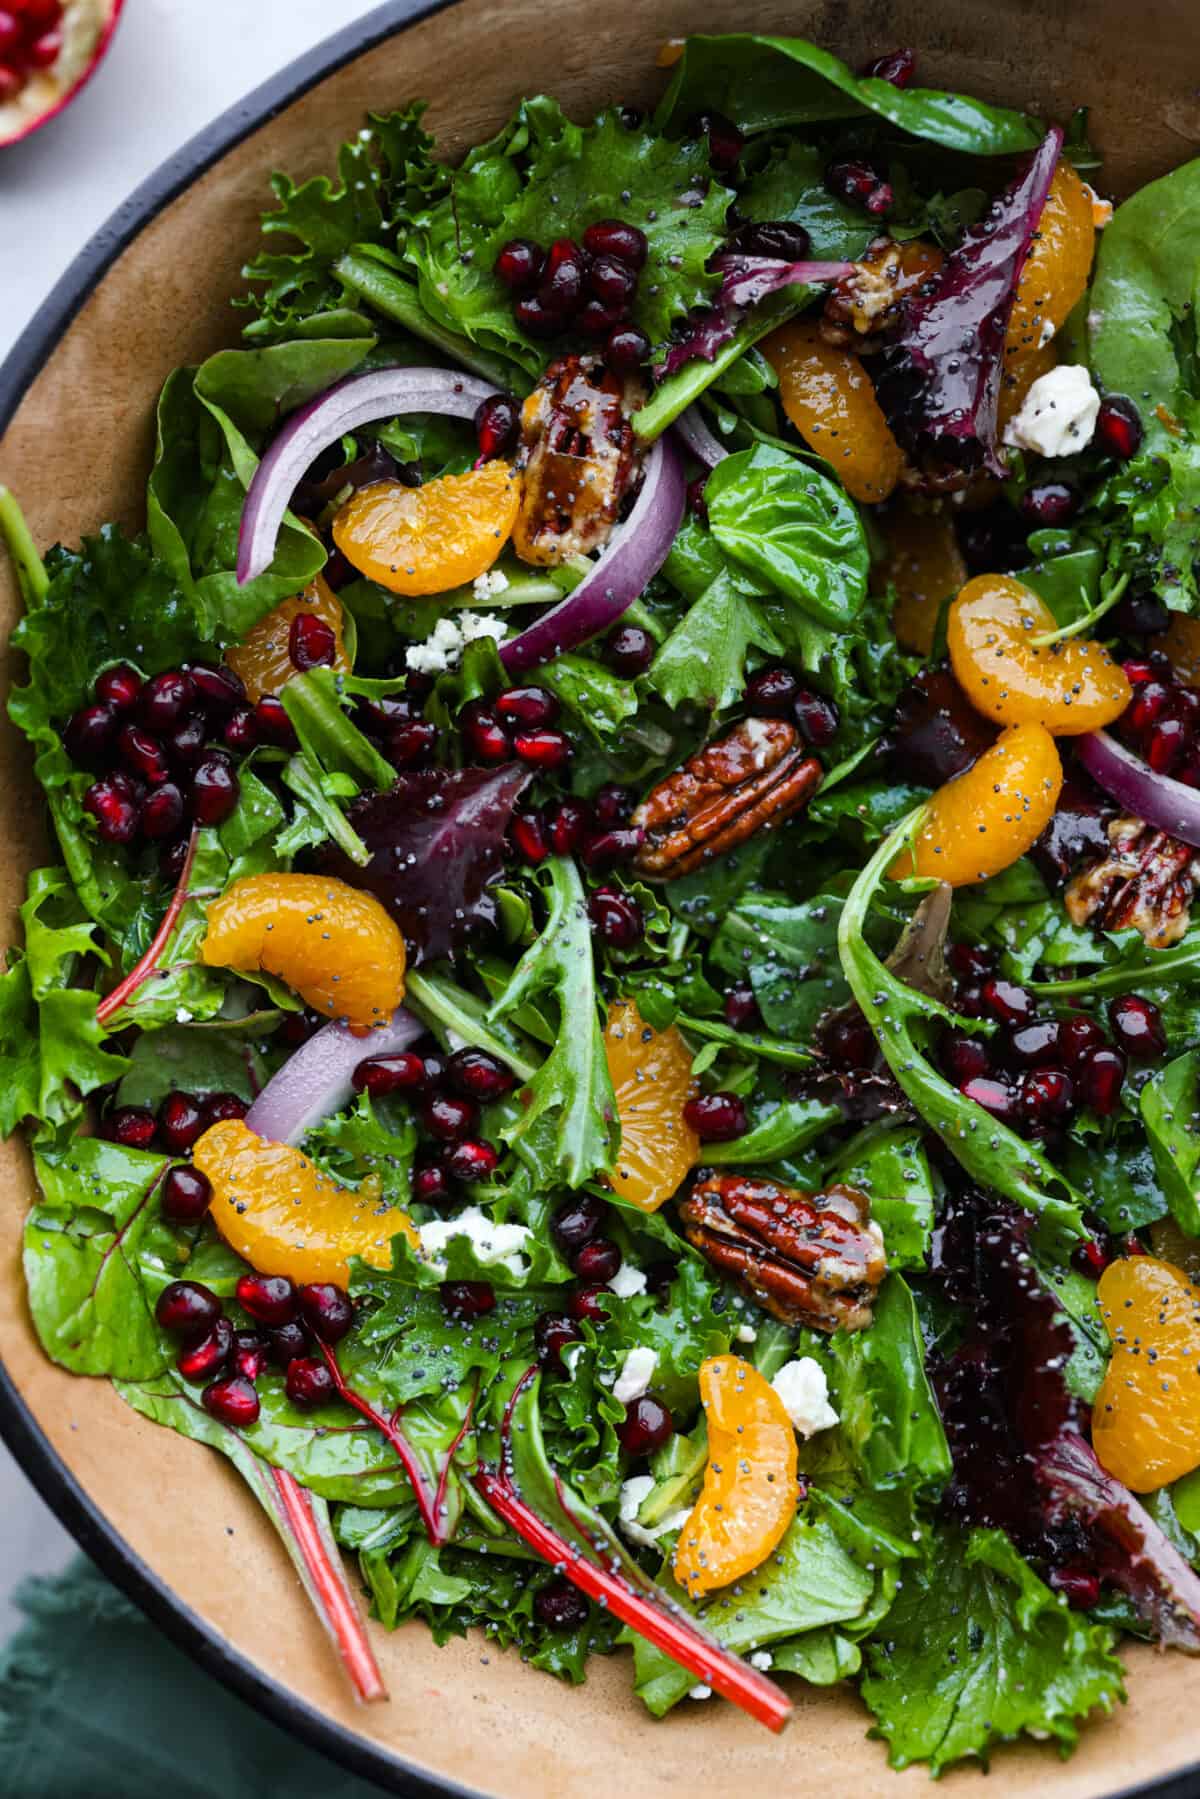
616 1020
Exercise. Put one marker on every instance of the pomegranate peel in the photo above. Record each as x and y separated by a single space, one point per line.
85 31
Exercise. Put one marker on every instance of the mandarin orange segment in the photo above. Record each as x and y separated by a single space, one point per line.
924 567
651 1073
1180 642
749 1494
986 818
333 944
1055 275
262 660
1021 369
1070 687
419 540
279 1210
1146 1418
828 396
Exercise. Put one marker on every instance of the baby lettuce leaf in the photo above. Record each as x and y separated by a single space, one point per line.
1169 1103
566 1128
197 1059
888 1413
889 1162
703 661
976 1650
765 83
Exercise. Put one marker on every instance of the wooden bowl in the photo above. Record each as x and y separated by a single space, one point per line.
169 1522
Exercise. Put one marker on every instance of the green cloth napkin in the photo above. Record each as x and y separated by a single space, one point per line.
96 1704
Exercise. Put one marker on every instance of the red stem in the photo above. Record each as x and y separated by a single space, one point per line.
439 1504
426 1505
112 1002
335 1601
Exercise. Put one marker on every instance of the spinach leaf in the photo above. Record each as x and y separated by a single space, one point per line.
1170 1101
793 529
791 185
209 1058
788 950
765 83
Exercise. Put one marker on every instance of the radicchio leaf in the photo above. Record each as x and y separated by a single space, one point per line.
437 845
940 381
745 281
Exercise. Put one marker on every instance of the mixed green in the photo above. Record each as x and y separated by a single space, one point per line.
1009 1078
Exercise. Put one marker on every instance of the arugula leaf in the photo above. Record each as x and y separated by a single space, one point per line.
1169 1103
991 1651
566 1126
703 661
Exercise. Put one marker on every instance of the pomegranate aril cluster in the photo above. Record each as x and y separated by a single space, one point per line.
520 722
585 288
31 40
447 1093
776 693
1162 721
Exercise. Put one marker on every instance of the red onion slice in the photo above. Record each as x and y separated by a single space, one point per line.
315 1082
698 438
636 550
1166 804
381 394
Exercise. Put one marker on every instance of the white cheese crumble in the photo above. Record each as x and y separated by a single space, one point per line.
492 1242
183 1016
762 1659
627 1281
805 1394
1059 414
445 643
481 624
746 1333
700 1692
636 1374
490 583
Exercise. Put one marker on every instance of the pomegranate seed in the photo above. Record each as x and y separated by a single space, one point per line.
545 749
478 1075
219 1107
1049 503
312 642
859 183
274 725
180 1122
10 32
119 687
249 1354
431 1183
529 837
232 1401
380 1075
611 282
11 83
164 700
1091 1257
964 1058
551 1335
436 1067
185 744
609 849
591 1303
741 1008
565 823
185 1307
240 731
598 318
412 745
716 1117
1140 615
519 265
995 1096
617 918
968 962
1137 1027
561 287
577 1222
201 1360
219 689
1099 1076
327 1310
287 1341
143 753
1036 1044
1136 671
848 1041
309 1382
817 719
777 239
1008 1002
560 1606
1119 427
485 736
44 51
1165 745
271 1298
896 66
468 1299
496 421
626 349
725 141
111 803
660 1276
186 1194
969 1001
162 812
696 495
89 735
612 805
1188 771
598 1261
171 860
772 692
1046 1093
1185 705
133 1127
1080 1035
215 789
473 1160
531 706
613 237
646 1426
1079 1586
297 1027
450 1118
629 650
1149 703
533 317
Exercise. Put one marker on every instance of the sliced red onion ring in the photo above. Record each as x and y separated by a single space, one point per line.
315 1082
1166 804
381 394
698 438
636 550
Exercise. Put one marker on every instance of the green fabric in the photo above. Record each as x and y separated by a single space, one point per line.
96 1704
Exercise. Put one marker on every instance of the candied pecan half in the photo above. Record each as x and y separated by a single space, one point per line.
578 457
1147 880
866 302
807 1258
749 780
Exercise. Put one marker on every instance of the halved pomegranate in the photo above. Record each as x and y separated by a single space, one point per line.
48 50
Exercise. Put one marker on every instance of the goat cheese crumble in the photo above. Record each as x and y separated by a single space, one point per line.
1059 414
637 1372
627 1281
804 1390
446 642
492 1242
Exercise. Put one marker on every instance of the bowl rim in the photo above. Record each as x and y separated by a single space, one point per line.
31 1449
